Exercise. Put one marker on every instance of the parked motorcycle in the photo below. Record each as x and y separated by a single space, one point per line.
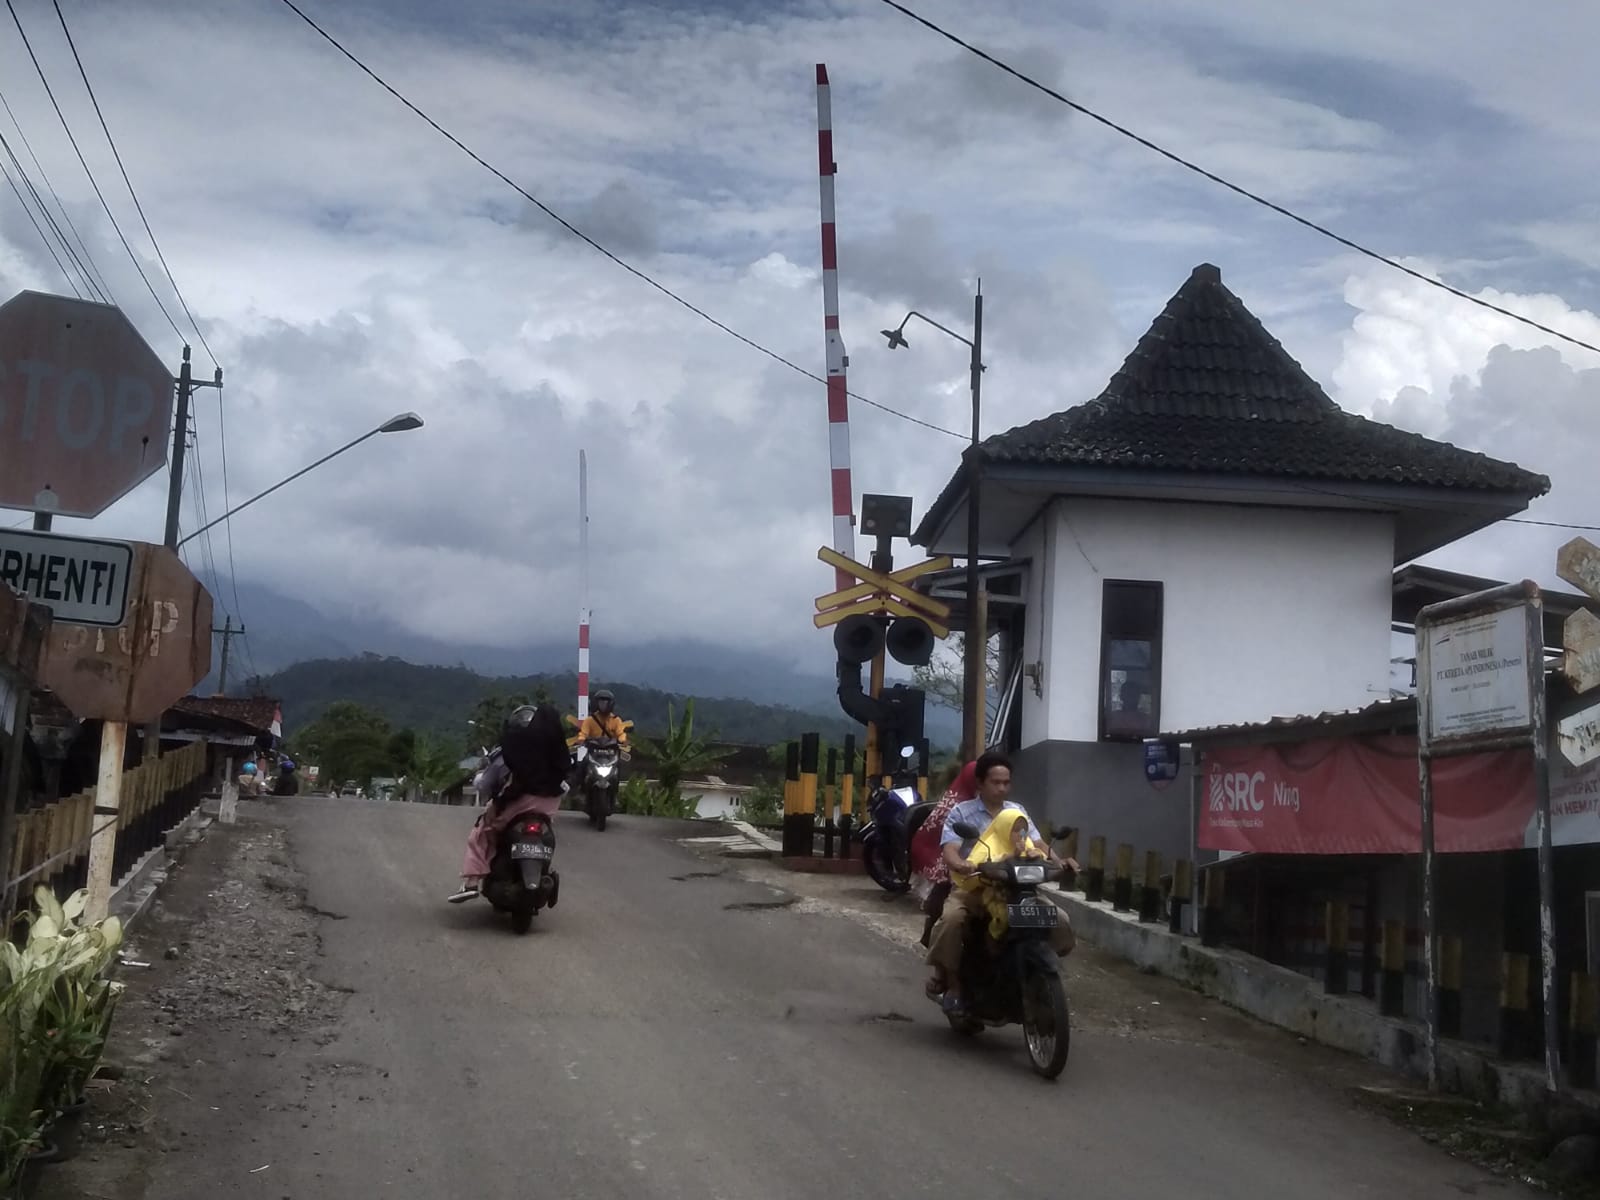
893 817
1015 979
601 775
522 878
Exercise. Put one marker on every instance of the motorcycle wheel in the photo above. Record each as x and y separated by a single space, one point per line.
879 862
1046 1024
600 818
521 920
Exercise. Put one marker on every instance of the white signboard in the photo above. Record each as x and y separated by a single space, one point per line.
1478 675
83 581
1579 736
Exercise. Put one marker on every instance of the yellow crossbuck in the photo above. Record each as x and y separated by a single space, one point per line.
877 592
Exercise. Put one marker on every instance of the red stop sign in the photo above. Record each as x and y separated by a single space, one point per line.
85 405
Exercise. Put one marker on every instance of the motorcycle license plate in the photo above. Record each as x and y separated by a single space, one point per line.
1031 916
529 850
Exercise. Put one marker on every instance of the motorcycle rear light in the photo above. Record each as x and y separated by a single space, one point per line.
533 827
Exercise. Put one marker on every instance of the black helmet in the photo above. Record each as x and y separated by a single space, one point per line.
520 718
604 697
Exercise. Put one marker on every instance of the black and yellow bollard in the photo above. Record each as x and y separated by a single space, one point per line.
1211 907
1514 1011
1450 986
1182 890
830 796
923 753
1094 877
1150 888
847 796
791 800
1336 948
1070 879
1122 880
1392 983
810 755
1582 1016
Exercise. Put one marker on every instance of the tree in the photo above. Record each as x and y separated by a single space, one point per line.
435 765
348 741
941 679
679 752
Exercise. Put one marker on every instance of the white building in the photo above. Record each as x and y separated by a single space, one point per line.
1210 540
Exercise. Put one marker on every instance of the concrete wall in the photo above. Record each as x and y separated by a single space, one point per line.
1100 788
1267 611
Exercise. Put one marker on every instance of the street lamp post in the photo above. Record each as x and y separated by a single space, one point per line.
974 688
398 423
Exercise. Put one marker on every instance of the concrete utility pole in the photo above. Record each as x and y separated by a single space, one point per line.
228 633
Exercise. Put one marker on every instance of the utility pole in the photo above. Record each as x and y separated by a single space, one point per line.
975 650
228 633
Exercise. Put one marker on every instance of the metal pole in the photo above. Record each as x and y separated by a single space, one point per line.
41 522
227 640
1541 810
978 697
1430 908
15 750
972 658
180 443
107 799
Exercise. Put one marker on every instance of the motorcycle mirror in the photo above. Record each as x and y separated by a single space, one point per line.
965 829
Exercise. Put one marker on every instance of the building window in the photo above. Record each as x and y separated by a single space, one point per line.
1130 660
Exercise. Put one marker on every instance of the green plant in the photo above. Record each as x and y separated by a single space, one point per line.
56 1008
762 804
635 795
678 753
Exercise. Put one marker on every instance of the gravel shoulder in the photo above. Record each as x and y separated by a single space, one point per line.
229 993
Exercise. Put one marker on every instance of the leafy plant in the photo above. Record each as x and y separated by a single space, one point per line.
680 752
762 804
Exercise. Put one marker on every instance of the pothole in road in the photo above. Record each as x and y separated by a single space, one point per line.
698 875
890 1017
761 905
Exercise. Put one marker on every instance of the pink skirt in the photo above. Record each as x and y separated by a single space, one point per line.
492 822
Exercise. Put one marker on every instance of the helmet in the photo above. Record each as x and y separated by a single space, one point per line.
518 720
604 700
286 765
250 768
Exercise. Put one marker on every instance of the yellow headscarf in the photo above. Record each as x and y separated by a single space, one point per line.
998 843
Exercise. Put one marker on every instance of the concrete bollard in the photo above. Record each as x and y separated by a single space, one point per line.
1583 1014
1211 907
830 788
1515 1019
1070 880
1182 890
810 756
1122 880
1392 985
1450 986
1094 877
847 796
791 800
1150 888
1336 966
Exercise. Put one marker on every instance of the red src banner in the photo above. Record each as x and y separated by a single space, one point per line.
1343 796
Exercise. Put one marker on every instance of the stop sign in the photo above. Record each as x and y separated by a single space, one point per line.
85 405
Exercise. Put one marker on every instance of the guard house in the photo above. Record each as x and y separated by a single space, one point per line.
1211 540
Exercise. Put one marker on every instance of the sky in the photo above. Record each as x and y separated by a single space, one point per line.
345 263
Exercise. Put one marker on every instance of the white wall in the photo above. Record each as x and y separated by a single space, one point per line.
1267 611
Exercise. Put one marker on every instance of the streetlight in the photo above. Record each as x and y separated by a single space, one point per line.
399 423
974 685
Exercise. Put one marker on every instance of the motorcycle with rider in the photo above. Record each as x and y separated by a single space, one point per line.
602 747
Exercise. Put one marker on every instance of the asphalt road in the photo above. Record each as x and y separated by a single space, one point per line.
676 1029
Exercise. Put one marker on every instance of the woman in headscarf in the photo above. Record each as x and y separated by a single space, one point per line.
926 859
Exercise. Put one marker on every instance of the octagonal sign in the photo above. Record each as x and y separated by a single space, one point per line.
85 405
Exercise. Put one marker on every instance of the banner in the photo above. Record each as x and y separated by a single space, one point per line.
1349 796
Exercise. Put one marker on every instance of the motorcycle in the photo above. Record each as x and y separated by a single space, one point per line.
894 816
600 778
287 783
1015 979
522 878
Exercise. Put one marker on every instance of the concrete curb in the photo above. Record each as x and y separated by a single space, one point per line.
132 898
1298 1004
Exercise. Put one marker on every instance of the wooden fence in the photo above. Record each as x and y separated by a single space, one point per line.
52 843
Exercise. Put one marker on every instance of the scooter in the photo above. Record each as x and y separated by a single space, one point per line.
1015 979
600 779
522 878
894 816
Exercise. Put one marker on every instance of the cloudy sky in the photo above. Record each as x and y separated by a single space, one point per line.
347 263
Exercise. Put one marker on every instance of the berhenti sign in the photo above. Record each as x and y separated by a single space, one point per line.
83 581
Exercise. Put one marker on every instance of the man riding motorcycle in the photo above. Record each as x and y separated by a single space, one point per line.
603 722
948 942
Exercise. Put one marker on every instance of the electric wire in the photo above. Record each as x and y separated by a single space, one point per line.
65 274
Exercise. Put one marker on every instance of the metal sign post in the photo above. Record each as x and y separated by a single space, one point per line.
1481 686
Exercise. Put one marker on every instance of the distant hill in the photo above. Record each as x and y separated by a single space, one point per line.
438 699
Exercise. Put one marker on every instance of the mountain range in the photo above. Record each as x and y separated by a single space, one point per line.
283 630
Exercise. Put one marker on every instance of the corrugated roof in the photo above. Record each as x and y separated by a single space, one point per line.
255 712
1397 712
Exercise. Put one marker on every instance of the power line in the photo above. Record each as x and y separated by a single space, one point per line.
48 245
227 506
96 277
1234 187
162 258
44 211
1551 524
585 238
49 91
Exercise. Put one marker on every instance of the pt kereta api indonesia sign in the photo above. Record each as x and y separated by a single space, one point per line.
82 580
85 406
